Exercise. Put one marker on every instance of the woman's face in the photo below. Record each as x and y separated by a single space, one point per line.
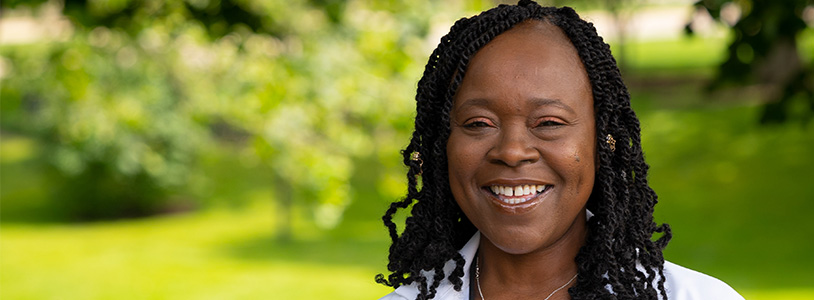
522 143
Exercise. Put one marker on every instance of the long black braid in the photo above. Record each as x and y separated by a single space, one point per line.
621 230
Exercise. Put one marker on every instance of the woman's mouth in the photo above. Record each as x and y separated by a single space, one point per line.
517 194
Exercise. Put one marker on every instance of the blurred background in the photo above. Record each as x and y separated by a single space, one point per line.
246 149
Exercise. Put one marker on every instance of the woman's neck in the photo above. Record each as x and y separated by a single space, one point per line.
534 274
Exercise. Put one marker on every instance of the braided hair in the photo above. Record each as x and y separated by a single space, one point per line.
620 233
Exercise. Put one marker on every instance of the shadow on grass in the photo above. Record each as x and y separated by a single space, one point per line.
359 253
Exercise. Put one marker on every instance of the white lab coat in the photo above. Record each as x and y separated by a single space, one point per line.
681 283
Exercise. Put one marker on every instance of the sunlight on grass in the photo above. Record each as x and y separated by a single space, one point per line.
178 257
791 294
684 53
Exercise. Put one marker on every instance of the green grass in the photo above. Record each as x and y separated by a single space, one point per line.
221 254
736 195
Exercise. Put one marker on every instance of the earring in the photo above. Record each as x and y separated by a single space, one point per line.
612 142
416 156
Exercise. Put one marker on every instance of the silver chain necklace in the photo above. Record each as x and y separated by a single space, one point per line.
477 280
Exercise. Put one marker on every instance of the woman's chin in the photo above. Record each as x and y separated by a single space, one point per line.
531 238
516 244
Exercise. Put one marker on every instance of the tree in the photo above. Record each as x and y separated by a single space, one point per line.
126 103
764 51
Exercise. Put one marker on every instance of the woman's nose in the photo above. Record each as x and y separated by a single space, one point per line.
514 148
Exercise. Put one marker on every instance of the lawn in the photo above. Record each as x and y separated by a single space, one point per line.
218 254
737 195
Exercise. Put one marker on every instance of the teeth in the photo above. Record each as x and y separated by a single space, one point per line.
506 191
516 191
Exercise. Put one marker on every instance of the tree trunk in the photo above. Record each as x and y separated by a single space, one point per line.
285 199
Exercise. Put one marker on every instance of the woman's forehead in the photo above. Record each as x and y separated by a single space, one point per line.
531 38
532 60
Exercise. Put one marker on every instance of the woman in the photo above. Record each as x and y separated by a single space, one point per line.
526 174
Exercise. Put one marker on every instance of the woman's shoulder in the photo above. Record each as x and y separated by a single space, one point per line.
685 284
393 296
681 284
445 291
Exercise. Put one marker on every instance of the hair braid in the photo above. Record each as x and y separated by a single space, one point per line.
619 233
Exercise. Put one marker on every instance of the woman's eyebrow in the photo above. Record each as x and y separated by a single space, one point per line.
484 102
552 102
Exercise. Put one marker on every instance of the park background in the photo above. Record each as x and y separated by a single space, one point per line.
244 149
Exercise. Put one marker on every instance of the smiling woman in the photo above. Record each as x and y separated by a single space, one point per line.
524 191
522 117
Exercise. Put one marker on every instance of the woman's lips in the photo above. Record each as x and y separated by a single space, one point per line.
516 199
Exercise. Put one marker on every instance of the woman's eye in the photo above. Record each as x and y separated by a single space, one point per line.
478 123
550 122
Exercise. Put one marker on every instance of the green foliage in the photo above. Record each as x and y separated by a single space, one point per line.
764 50
115 135
124 106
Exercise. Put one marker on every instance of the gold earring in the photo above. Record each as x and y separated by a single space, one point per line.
416 156
612 142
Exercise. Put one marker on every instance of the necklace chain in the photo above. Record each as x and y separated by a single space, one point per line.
477 280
